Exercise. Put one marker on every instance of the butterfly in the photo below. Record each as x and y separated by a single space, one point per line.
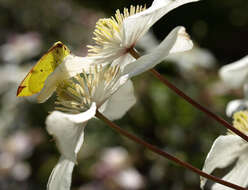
35 79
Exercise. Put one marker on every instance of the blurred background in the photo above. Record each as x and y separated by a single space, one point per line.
107 160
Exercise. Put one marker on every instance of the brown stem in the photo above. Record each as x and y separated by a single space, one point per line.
165 154
136 55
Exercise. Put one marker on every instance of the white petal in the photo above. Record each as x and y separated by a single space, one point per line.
224 151
68 131
236 105
60 178
123 61
134 27
120 102
122 80
235 74
71 66
82 117
238 174
177 41
183 42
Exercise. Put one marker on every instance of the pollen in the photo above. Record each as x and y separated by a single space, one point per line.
76 94
240 121
108 32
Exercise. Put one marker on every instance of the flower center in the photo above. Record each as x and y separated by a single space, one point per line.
240 121
76 94
108 34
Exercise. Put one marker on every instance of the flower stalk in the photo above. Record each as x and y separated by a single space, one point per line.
136 55
165 154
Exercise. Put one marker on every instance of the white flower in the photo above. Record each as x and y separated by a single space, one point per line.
236 105
235 74
115 36
20 47
83 88
230 150
176 41
190 60
79 98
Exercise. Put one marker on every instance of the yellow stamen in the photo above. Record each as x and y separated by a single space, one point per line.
76 94
240 121
108 31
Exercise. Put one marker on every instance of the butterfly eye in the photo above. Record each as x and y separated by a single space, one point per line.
60 45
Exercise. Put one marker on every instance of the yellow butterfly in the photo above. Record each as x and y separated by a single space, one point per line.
35 79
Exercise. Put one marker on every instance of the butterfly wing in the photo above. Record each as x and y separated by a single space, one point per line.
35 79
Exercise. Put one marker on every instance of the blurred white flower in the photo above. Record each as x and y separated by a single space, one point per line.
14 149
115 36
21 171
235 74
112 161
230 150
7 161
80 97
190 60
187 60
236 105
115 157
19 144
114 170
15 145
10 76
130 179
20 47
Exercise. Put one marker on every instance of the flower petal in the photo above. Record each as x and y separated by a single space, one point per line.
135 26
236 105
120 102
238 174
123 61
235 74
71 66
224 151
60 178
183 41
118 84
68 130
177 41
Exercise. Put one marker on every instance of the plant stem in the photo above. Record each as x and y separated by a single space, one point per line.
165 154
136 55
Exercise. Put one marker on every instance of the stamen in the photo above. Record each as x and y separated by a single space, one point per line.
108 31
76 94
240 121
